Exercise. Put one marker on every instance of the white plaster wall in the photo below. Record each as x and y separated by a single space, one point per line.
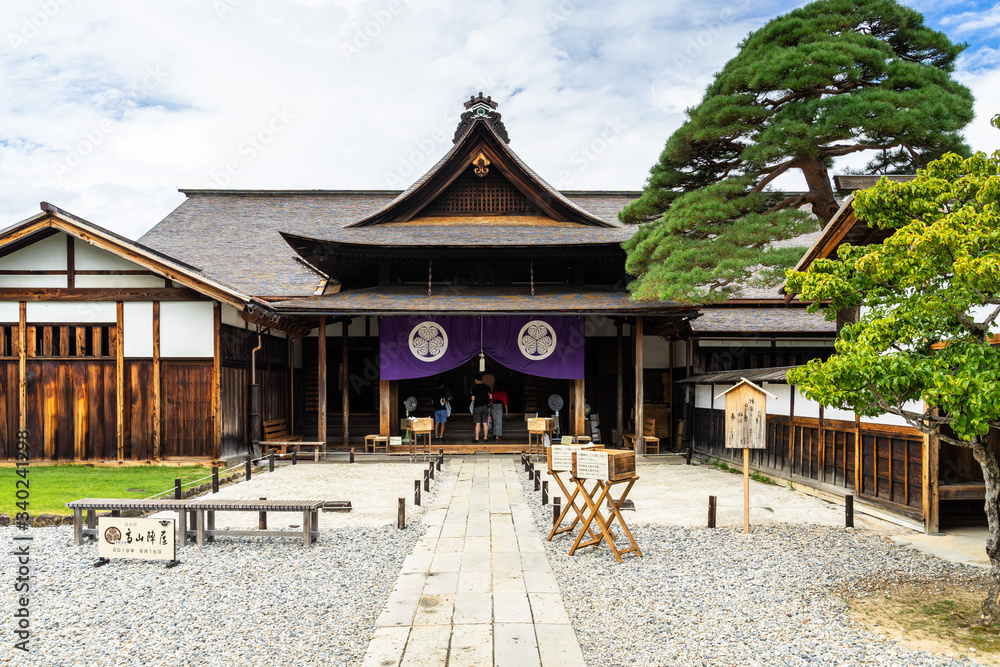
655 352
46 255
69 312
137 323
720 402
703 396
680 354
782 404
187 329
119 281
836 413
231 316
33 281
893 419
10 312
805 407
90 258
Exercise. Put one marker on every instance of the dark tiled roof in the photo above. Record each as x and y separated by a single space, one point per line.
457 300
779 374
234 235
762 320
475 235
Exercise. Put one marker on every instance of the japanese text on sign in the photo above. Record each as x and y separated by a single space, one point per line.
147 539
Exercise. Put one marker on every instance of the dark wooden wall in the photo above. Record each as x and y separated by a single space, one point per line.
8 408
187 409
891 456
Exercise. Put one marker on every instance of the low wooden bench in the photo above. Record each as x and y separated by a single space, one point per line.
648 437
277 437
204 511
94 505
962 491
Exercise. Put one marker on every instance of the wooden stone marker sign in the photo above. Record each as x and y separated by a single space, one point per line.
746 429
560 457
133 538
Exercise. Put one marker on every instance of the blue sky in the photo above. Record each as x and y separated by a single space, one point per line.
110 106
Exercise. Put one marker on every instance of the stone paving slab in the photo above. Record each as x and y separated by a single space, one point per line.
477 588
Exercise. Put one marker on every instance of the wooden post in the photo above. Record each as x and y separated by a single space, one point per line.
217 384
295 456
157 390
120 383
556 510
416 492
345 383
849 511
321 435
215 479
401 518
383 407
70 261
576 406
270 460
178 493
291 384
931 505
249 473
640 441
791 429
394 408
262 519
712 505
545 493
746 490
821 473
621 386
22 367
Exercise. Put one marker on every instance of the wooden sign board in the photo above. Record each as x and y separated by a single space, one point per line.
746 416
591 465
540 424
396 440
421 424
133 538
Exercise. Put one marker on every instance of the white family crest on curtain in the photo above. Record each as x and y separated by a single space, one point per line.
428 341
537 340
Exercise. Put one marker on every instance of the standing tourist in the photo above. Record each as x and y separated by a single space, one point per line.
499 410
440 397
480 406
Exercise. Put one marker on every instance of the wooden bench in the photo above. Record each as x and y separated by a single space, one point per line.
94 505
277 437
962 491
205 509
648 437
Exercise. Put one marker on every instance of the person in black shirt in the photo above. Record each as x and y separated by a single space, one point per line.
480 405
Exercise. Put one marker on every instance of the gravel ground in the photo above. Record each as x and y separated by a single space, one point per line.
238 601
719 597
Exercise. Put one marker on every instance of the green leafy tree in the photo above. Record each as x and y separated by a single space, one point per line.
929 298
830 79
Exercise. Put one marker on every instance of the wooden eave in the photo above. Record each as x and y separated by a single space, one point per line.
481 138
53 220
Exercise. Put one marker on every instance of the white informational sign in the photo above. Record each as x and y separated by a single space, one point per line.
592 465
396 440
144 539
562 456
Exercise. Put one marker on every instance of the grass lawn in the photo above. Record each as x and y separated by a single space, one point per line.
52 487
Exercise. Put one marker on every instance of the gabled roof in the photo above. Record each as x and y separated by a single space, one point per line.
480 139
53 219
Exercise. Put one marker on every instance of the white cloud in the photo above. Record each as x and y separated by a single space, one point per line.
589 92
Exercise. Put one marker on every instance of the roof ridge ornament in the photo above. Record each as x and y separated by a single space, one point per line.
481 108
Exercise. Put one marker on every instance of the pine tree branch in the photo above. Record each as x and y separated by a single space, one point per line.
840 149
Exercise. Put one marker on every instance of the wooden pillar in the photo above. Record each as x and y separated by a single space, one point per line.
640 442
576 401
821 454
621 385
791 428
321 435
157 395
345 384
932 503
383 407
393 407
22 367
217 384
858 458
70 261
291 384
120 383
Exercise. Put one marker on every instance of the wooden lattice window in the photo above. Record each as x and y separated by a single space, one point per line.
492 194
67 341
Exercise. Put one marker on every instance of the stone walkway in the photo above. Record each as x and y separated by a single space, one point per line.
477 589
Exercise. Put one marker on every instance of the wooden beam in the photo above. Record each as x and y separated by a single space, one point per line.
22 366
70 262
100 294
640 441
157 392
321 362
621 385
576 400
120 382
383 407
345 384
858 458
217 384
393 407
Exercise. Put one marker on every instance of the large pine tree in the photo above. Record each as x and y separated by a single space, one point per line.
832 78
